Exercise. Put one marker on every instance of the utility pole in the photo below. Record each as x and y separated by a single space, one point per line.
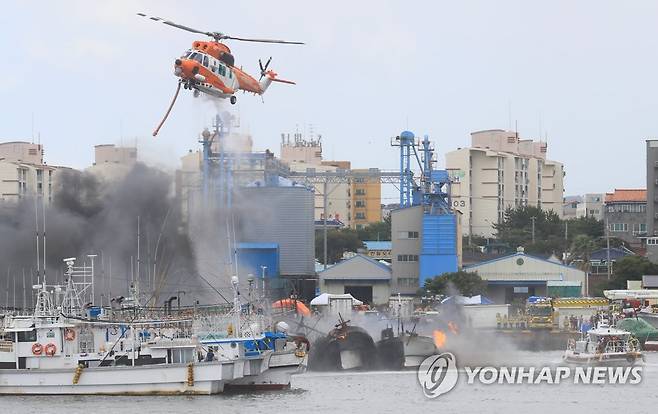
533 228
566 229
324 221
607 242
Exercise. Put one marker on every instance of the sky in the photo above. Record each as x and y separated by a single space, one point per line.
580 74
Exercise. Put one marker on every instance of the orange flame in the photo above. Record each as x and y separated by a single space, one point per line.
439 338
453 328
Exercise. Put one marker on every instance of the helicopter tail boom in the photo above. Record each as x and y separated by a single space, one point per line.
270 77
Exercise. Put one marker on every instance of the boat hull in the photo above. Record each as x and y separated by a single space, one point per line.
169 379
280 368
603 359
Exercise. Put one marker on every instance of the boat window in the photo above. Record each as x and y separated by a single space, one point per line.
28 336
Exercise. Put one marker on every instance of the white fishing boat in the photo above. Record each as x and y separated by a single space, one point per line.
604 345
66 348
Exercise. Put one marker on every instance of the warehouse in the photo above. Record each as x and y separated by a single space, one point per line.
364 278
512 279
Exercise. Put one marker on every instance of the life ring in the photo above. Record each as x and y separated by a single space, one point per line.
37 349
50 349
69 334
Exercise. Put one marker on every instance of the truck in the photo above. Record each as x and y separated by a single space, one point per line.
539 312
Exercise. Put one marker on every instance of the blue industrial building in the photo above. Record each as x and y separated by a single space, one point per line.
425 241
258 259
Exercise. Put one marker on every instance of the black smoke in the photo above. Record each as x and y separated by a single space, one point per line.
89 214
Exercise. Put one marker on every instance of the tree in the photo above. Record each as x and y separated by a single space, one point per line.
466 283
550 231
339 241
631 268
376 231
581 249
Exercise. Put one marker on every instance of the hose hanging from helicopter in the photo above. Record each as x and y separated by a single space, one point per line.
155 133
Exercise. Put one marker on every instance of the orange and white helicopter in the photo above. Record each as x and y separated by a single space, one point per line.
209 67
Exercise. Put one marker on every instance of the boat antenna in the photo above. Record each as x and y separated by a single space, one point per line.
43 233
36 222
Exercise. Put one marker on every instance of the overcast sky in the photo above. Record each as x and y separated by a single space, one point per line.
582 73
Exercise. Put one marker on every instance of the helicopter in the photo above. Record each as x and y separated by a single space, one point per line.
209 67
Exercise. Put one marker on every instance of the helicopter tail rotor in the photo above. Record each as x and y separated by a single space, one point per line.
263 69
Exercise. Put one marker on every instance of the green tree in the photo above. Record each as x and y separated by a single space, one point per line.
581 250
339 241
631 268
466 283
550 231
376 231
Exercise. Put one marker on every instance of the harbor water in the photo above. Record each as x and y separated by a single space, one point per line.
376 392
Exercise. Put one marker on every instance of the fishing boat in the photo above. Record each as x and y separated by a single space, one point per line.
345 347
64 347
604 345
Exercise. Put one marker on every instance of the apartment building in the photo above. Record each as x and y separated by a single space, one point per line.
626 215
499 171
355 202
23 173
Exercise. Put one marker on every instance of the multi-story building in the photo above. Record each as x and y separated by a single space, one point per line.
21 151
366 201
23 173
500 171
356 202
112 162
626 215
652 187
301 149
570 207
589 205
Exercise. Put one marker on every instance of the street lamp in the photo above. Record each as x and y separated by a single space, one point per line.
263 269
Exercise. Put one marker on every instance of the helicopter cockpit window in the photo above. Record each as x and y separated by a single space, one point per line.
197 57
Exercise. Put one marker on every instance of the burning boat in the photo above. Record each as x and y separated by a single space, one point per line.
346 347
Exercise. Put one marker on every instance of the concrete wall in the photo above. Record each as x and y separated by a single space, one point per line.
405 273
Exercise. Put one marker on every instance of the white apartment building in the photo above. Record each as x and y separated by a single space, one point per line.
23 173
500 171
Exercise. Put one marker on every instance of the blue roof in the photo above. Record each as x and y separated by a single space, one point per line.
378 245
518 254
257 246
615 254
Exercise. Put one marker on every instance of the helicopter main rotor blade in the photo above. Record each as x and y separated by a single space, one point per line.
176 25
215 35
242 39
